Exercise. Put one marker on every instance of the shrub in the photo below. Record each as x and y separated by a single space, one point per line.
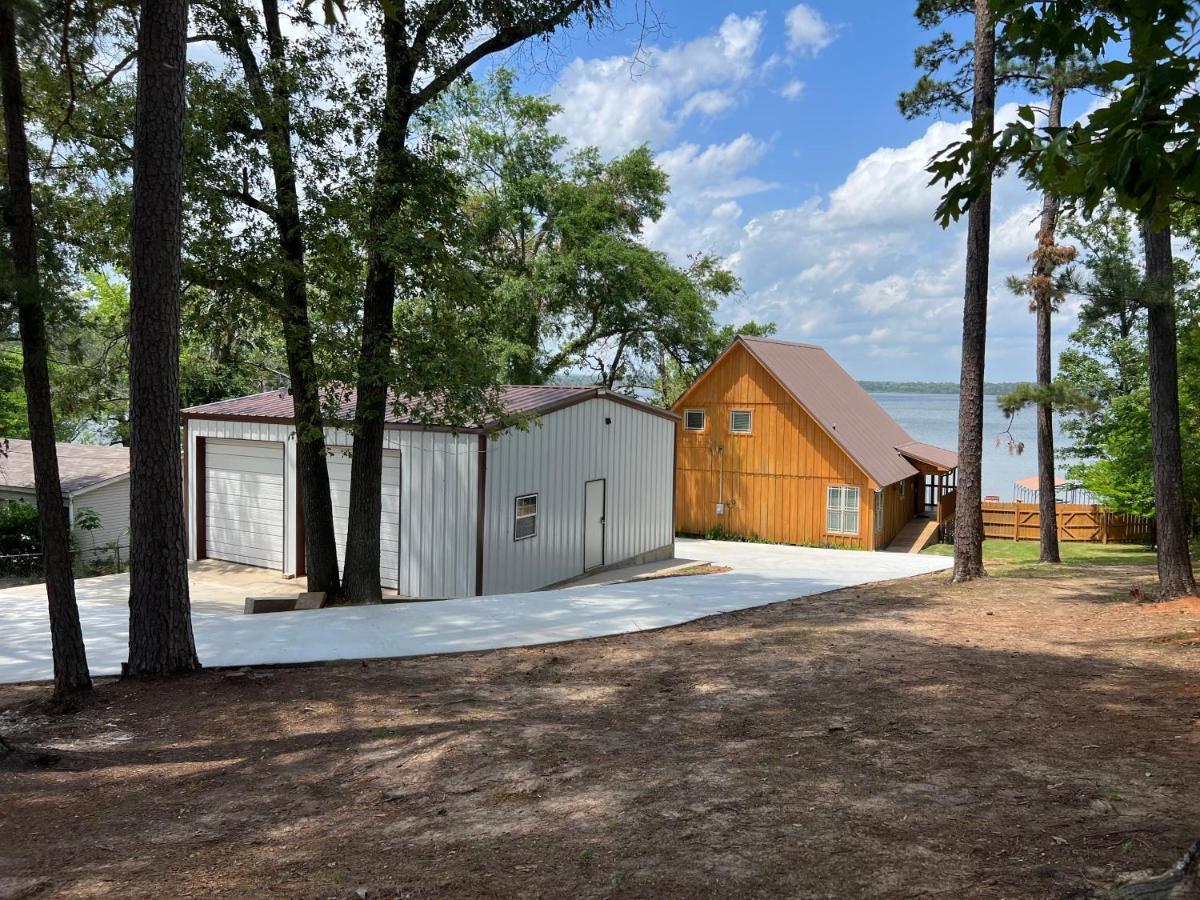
20 542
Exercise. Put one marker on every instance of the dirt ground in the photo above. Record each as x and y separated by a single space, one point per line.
1019 737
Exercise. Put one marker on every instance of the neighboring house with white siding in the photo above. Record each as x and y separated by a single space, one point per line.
92 476
475 511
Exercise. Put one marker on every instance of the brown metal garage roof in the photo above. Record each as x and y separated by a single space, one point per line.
515 399
871 437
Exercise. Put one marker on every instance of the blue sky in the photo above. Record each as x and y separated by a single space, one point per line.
778 125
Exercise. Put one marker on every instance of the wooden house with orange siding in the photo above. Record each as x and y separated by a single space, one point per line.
775 440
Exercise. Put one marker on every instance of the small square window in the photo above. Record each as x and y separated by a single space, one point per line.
525 517
740 421
693 420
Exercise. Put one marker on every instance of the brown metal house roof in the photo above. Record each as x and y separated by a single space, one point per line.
838 403
516 399
80 466
929 454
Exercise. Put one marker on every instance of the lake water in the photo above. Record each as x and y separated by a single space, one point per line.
933 418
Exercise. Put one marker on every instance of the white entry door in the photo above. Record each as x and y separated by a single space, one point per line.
338 462
244 502
593 524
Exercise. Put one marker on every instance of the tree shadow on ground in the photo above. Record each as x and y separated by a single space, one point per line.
887 741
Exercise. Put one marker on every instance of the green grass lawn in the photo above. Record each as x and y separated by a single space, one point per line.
1021 557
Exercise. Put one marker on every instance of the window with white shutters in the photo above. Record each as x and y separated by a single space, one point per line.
841 509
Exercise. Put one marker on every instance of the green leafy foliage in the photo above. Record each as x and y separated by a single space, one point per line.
14 421
1106 363
20 540
1062 396
218 359
86 519
1140 145
556 240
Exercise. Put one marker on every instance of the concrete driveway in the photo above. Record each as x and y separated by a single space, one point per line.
761 574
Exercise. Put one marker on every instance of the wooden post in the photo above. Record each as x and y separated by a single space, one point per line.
1016 519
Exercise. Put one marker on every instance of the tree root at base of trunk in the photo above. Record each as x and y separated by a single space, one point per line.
1180 882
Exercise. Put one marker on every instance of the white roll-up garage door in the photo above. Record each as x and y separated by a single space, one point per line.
244 502
389 518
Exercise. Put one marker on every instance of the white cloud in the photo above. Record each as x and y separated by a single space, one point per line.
616 105
705 185
792 90
860 266
708 103
890 185
807 32
715 171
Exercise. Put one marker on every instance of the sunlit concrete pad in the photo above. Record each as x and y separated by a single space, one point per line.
760 574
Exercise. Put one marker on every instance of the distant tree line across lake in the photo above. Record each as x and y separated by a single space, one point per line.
931 387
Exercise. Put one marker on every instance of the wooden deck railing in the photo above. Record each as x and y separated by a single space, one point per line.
1076 522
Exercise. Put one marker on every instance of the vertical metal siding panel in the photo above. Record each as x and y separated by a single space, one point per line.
408 514
429 536
421 536
421 510
446 519
191 487
443 515
412 515
557 555
467 449
464 514
474 461
459 502
491 503
290 532
435 512
417 523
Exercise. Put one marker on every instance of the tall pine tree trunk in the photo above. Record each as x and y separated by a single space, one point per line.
71 676
1175 578
968 526
160 624
273 107
320 549
360 575
1043 298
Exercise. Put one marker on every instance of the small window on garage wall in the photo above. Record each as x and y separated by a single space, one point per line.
740 421
693 420
841 509
879 510
902 488
525 517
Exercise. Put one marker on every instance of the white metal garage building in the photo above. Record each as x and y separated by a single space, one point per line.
589 485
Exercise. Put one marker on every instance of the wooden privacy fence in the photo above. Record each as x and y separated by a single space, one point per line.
1076 522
